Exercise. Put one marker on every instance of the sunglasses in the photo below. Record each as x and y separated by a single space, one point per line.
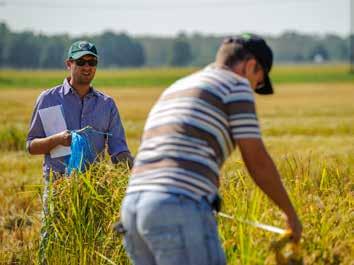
82 62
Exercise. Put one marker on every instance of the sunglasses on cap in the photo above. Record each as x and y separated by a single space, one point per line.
82 62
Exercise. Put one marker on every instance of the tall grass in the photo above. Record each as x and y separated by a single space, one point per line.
12 138
83 208
81 212
322 193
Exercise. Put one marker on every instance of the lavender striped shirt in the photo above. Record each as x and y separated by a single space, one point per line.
95 109
191 131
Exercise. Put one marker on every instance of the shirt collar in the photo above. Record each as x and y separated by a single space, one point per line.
226 70
67 88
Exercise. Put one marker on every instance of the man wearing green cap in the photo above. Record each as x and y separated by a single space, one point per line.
74 105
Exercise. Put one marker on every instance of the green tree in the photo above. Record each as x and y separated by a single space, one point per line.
24 51
53 51
181 52
157 50
4 43
119 50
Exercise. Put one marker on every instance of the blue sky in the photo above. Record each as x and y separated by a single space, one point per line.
163 17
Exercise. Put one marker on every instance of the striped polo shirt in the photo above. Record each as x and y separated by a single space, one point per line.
191 131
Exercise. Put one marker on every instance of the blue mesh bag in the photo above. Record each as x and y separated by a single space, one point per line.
82 152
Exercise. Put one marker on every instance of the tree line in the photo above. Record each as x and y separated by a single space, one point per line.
38 51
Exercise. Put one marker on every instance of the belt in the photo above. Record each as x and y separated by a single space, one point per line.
215 201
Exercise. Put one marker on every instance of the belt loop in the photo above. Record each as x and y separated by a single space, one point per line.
119 228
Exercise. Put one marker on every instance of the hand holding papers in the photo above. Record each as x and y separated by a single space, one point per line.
53 122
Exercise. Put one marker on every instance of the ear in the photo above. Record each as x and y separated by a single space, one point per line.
250 65
68 64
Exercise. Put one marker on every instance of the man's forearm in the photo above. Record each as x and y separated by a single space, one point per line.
264 173
40 146
267 178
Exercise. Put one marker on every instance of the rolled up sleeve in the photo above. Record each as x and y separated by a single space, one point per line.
36 128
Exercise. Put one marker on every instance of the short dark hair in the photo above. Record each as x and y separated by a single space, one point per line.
231 53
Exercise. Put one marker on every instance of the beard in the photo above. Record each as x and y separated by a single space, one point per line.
84 79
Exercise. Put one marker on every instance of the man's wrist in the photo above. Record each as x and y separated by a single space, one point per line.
124 156
55 140
291 213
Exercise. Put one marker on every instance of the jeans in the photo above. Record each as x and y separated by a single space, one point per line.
46 228
170 229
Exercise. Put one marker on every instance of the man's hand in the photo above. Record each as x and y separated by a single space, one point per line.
295 227
64 138
42 146
123 157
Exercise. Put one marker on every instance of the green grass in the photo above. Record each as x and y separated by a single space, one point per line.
162 77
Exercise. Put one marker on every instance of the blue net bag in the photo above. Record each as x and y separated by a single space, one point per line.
82 152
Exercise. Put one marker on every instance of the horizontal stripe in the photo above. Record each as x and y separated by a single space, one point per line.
246 129
201 125
176 172
188 115
189 131
243 116
166 142
228 76
192 84
237 97
171 179
185 106
166 188
210 80
191 102
242 122
200 93
185 139
164 147
150 156
178 163
199 179
241 107
247 136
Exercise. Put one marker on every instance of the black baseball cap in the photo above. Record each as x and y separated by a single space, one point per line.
258 47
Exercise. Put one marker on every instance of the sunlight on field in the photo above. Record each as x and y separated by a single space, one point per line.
308 128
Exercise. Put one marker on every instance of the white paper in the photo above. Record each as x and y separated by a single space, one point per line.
53 122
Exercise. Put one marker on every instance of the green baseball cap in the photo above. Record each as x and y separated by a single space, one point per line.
81 48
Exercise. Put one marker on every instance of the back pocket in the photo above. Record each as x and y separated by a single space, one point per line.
168 245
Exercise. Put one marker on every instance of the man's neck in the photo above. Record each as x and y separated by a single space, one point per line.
81 89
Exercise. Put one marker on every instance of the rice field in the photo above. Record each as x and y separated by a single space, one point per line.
162 77
308 127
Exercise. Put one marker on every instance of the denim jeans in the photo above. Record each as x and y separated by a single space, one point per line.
170 229
46 229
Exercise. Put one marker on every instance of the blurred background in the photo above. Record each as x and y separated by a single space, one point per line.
138 33
144 46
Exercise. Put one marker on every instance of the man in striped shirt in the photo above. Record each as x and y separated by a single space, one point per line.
192 129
